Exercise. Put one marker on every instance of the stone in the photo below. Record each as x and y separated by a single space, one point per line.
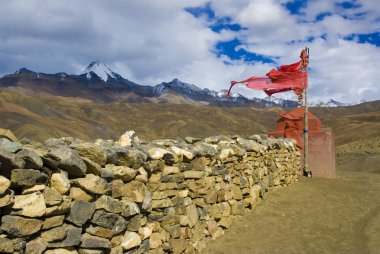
6 245
94 242
123 207
99 231
156 153
130 240
186 154
155 240
91 151
178 245
63 208
225 222
90 251
35 188
31 205
129 138
56 234
162 203
9 161
109 220
10 146
130 157
211 196
52 222
69 160
62 251
19 226
170 170
212 226
145 232
6 198
93 184
60 182
193 174
4 184
8 134
134 223
79 194
31 158
92 167
52 196
117 250
27 177
124 173
135 191
73 238
192 214
81 212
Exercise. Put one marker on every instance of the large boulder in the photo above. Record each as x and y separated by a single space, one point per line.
69 160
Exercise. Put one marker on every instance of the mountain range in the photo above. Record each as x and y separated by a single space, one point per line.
101 84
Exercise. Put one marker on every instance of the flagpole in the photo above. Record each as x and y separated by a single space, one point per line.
307 171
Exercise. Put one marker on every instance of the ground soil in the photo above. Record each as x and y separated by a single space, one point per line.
313 216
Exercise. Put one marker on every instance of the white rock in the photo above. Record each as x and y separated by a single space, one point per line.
127 138
145 232
31 205
60 182
130 240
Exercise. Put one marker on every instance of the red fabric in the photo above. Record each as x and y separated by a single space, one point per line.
286 78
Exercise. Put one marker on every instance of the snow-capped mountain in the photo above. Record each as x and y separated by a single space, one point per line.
98 82
101 71
330 103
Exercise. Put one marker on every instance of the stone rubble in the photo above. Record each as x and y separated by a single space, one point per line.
132 196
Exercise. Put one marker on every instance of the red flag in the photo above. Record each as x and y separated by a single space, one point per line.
286 78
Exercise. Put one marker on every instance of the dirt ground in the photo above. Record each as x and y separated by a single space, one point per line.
313 216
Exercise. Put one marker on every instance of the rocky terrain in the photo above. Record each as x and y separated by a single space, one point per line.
70 196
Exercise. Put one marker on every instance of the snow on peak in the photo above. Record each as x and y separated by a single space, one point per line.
101 70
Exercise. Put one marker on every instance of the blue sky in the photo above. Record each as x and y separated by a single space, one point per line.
204 42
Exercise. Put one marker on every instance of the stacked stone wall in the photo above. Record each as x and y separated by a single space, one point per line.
71 196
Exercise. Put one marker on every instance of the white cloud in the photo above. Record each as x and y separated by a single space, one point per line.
150 41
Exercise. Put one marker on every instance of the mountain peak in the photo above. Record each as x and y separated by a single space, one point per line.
100 70
24 70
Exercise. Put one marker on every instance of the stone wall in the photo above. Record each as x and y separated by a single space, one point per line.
71 196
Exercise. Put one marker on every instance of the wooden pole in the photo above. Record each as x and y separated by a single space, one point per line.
307 171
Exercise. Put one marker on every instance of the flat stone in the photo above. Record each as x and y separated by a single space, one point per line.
4 184
56 234
91 151
186 154
35 188
134 191
79 194
60 182
99 231
81 212
117 250
62 251
178 245
31 205
31 158
6 245
130 240
27 177
54 221
225 222
10 146
155 240
52 196
9 161
95 242
69 160
130 157
134 223
92 167
19 226
73 238
162 203
63 208
192 214
109 220
7 198
124 173
193 174
93 184
123 207
145 232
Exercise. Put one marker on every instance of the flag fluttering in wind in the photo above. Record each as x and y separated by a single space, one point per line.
286 78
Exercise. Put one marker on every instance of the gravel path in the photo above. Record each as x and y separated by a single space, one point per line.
311 216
